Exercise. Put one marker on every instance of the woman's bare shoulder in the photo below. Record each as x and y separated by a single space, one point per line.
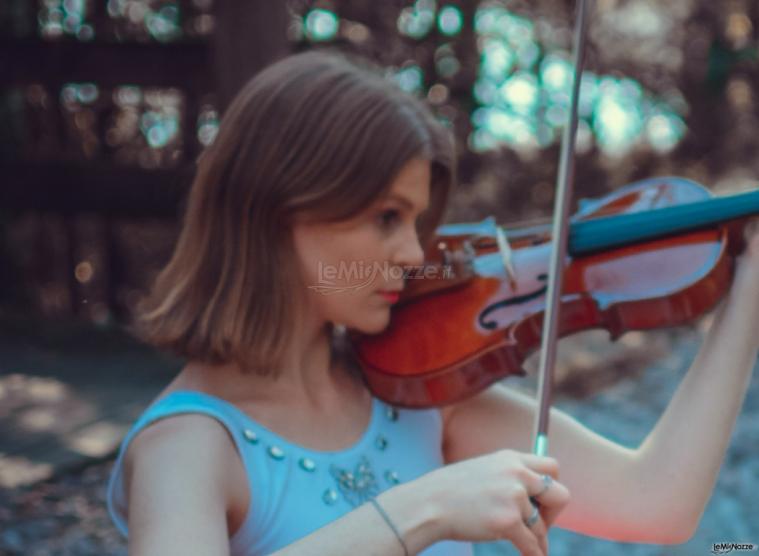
189 443
180 450
177 481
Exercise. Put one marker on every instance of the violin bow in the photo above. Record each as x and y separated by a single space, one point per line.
564 186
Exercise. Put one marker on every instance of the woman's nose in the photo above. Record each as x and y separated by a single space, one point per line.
409 251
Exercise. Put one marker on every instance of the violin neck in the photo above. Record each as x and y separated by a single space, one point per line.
608 232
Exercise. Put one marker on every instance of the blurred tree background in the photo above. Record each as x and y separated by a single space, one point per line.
104 106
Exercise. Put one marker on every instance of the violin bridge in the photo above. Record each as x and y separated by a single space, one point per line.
507 255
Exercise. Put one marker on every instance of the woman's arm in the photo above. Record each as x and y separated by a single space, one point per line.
481 499
657 492
684 451
364 531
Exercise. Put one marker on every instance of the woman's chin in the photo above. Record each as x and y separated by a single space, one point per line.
373 325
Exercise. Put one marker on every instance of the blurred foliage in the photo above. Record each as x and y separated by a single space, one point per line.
669 88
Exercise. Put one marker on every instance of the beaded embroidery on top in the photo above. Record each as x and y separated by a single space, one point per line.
358 486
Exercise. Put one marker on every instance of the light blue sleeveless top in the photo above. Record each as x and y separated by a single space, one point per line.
295 490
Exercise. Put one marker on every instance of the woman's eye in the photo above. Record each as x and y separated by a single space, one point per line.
388 218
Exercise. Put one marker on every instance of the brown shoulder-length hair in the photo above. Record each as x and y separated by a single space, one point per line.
313 134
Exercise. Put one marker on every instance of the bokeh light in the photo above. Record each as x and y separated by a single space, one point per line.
57 18
208 124
524 92
410 78
446 63
450 21
418 20
146 129
321 25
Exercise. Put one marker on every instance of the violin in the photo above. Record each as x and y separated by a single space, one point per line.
656 253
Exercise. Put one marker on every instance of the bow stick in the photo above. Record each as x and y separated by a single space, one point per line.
564 183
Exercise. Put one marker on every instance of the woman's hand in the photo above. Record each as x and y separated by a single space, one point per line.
488 498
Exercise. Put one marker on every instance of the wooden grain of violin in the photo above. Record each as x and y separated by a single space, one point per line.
653 254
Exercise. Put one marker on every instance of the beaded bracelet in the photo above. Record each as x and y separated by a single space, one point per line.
390 524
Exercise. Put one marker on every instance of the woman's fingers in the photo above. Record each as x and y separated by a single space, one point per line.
531 518
550 513
541 464
525 541
549 493
502 483
546 490
534 522
538 485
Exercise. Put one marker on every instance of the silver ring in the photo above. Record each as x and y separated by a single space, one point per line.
547 480
530 521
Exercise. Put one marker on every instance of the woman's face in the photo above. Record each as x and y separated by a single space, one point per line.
347 265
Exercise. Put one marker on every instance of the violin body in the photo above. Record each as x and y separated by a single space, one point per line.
454 334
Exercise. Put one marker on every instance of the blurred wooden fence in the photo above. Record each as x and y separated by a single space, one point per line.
246 35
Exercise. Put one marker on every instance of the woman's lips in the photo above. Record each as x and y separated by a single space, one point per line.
392 297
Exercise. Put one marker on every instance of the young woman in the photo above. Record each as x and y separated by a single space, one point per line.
268 441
